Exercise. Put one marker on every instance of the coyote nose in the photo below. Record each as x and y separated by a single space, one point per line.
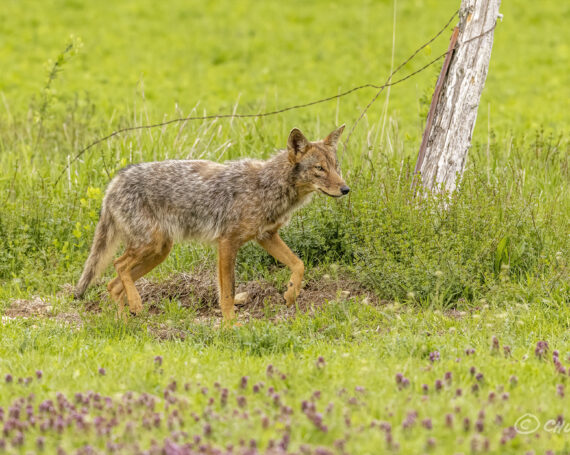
344 189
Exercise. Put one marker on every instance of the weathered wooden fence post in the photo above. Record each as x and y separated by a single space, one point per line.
453 111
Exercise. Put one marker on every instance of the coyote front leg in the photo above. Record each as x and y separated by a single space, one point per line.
227 252
277 248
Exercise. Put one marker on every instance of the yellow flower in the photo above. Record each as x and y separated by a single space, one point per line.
93 192
77 231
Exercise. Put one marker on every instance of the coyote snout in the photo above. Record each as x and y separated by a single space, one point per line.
148 206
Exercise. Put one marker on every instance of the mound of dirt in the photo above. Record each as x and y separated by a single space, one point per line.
199 291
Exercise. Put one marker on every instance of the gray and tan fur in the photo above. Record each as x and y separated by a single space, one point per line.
149 206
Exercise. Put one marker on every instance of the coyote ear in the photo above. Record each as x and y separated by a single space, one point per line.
296 144
332 139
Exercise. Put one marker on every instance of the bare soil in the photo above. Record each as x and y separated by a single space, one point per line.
199 291
39 307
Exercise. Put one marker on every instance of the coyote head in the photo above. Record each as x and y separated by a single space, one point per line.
316 163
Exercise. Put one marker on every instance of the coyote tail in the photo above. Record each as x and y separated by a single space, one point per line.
102 250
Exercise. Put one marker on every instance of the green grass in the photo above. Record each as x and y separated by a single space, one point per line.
363 349
492 260
273 53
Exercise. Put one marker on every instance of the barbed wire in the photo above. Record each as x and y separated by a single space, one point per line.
398 68
380 88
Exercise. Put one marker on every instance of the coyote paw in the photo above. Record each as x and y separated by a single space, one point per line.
291 294
230 323
135 305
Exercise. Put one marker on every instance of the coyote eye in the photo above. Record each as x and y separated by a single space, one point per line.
319 168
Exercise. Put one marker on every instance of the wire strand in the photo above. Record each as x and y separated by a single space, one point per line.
380 88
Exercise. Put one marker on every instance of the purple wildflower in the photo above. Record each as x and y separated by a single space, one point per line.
434 356
224 396
479 426
494 343
18 439
541 349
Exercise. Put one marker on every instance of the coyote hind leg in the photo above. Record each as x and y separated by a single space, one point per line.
130 267
277 248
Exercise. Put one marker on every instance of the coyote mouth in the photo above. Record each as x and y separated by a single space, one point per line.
331 195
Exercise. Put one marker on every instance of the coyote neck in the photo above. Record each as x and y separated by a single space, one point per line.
279 190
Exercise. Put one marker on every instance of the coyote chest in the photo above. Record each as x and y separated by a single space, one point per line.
273 225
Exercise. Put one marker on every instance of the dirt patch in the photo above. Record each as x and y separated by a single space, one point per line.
264 300
39 307
199 291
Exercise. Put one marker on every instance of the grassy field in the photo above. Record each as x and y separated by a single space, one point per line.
455 327
350 378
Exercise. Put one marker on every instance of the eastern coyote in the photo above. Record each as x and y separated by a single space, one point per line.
148 206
